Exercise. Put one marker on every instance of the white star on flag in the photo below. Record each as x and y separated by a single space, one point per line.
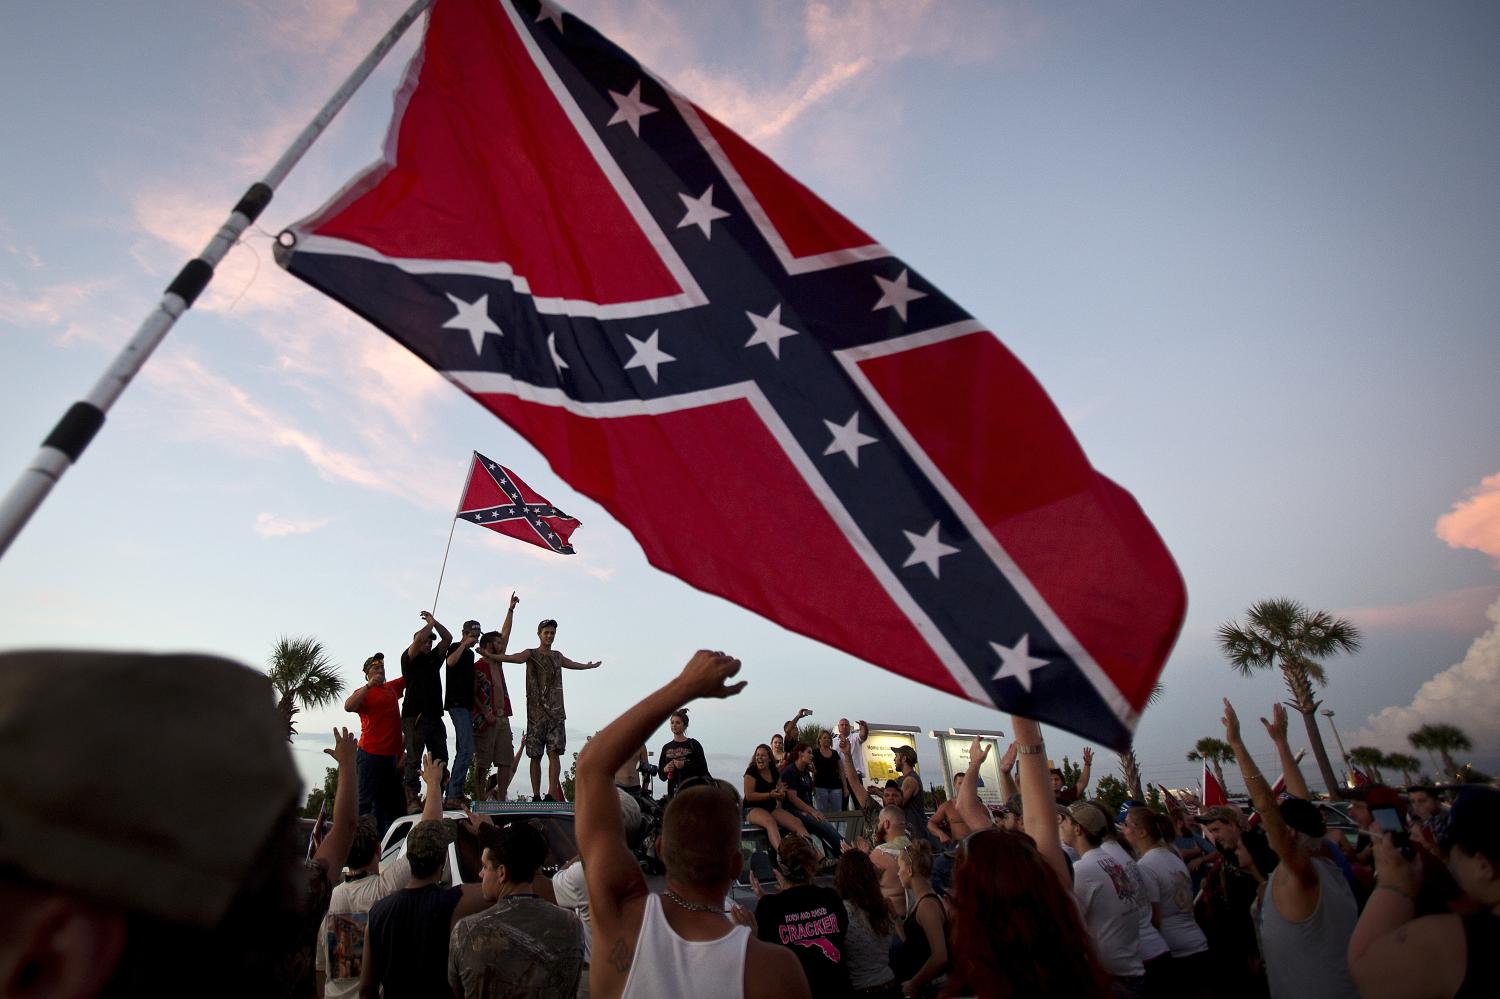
647 354
847 439
550 12
926 549
701 211
557 361
474 317
631 109
895 294
769 331
1018 663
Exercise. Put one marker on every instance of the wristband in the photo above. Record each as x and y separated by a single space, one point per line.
1031 750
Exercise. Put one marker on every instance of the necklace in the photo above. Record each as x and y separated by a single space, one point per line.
690 906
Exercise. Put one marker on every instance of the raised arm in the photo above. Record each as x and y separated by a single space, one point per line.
510 613
970 808
1296 786
1008 789
334 849
789 738
851 778
444 635
1283 839
457 652
614 878
570 664
1393 954
354 700
419 637
1083 775
1038 808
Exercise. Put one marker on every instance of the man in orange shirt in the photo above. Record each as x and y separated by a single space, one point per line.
379 712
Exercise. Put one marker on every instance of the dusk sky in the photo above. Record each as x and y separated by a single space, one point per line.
1251 251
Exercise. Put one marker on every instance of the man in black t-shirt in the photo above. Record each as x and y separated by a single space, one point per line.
422 706
459 703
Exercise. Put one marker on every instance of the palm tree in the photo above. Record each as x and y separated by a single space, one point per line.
1215 752
1408 765
1282 634
1130 767
1443 740
1368 759
302 674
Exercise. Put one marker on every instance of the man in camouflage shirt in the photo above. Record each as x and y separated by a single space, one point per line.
545 715
521 945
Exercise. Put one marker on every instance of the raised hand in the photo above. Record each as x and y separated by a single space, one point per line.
707 675
843 744
1276 727
514 600
979 751
755 886
1231 724
427 617
344 747
803 713
1088 756
432 772
1008 761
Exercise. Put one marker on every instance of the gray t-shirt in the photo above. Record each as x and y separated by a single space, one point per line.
1307 958
866 956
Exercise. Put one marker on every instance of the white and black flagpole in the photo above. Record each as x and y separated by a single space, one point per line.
63 446
474 457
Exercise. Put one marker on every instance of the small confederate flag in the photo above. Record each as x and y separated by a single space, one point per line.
319 829
780 410
496 498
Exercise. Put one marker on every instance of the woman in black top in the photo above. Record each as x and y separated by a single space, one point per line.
764 793
681 758
828 775
923 955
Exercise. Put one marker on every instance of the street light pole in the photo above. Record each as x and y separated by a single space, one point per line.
1328 713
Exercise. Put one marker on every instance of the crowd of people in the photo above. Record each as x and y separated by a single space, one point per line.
1049 894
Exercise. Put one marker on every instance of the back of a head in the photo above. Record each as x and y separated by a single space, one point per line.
1474 823
520 847
798 856
366 842
1016 930
700 837
858 884
213 885
1302 816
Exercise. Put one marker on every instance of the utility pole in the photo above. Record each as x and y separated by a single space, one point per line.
1328 713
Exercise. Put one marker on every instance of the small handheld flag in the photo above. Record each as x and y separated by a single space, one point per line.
1213 791
497 499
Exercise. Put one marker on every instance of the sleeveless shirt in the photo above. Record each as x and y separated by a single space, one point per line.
1307 958
667 965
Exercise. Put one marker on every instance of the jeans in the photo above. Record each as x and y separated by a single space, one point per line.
379 788
422 733
828 799
942 871
463 750
823 830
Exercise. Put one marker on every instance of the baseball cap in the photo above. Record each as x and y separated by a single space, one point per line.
1302 816
1378 796
1222 813
161 816
471 626
428 841
1090 816
1474 822
378 659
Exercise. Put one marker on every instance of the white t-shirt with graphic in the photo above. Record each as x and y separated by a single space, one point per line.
341 935
1110 901
1174 888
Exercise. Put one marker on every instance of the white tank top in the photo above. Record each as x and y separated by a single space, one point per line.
667 965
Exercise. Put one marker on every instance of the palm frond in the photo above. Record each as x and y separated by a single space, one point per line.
1245 651
1158 691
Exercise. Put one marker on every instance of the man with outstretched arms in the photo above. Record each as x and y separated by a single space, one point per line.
545 715
681 942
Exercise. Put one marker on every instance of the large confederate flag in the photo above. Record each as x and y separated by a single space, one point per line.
781 411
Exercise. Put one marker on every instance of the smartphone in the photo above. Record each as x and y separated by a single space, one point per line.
1387 819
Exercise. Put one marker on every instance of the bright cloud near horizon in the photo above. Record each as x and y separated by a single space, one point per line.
1270 322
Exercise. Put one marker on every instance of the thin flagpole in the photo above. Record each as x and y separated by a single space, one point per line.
67 441
474 456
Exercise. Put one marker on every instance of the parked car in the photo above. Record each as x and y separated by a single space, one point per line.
554 818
